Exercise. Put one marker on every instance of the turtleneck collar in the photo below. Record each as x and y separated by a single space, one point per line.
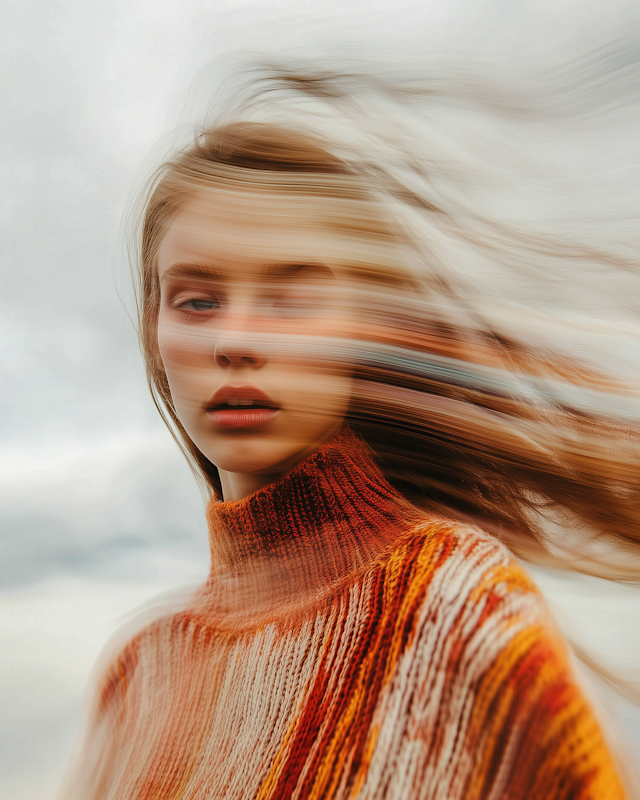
322 521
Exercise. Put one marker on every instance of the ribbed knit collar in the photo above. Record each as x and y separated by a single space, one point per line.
322 521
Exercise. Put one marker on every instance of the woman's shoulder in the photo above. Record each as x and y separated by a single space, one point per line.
476 598
481 622
163 627
467 559
469 587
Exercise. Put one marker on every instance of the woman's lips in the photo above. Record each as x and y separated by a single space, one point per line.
241 417
241 407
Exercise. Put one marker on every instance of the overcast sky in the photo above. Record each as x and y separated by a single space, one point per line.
97 509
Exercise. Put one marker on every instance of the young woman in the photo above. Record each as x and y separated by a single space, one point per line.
363 632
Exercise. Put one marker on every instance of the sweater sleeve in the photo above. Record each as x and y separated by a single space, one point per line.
532 730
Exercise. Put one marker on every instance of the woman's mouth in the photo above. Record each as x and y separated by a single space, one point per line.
241 407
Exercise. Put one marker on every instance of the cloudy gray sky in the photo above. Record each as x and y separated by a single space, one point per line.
97 510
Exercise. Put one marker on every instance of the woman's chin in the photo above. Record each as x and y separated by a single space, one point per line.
262 458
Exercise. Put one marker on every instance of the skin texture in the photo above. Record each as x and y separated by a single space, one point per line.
246 276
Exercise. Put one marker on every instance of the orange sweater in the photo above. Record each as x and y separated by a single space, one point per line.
346 647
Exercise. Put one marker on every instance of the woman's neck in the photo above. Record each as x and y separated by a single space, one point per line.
238 485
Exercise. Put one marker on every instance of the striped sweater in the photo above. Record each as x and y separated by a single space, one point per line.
345 646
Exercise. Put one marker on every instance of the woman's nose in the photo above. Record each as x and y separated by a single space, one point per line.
235 352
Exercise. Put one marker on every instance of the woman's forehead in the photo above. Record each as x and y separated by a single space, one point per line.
264 208
245 226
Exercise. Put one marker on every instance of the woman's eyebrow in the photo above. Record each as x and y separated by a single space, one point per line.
279 271
190 271
273 272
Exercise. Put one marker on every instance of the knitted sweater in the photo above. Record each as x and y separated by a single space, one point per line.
346 646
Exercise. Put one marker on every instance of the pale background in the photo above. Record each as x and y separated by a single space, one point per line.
97 510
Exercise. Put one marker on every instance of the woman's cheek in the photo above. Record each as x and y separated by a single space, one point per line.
180 346
317 392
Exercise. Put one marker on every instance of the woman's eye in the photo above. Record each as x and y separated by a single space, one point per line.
294 304
198 304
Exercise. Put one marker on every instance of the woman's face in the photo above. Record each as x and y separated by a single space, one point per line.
252 297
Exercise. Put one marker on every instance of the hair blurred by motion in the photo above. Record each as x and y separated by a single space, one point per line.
465 415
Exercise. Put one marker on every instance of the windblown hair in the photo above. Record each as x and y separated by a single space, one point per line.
464 420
